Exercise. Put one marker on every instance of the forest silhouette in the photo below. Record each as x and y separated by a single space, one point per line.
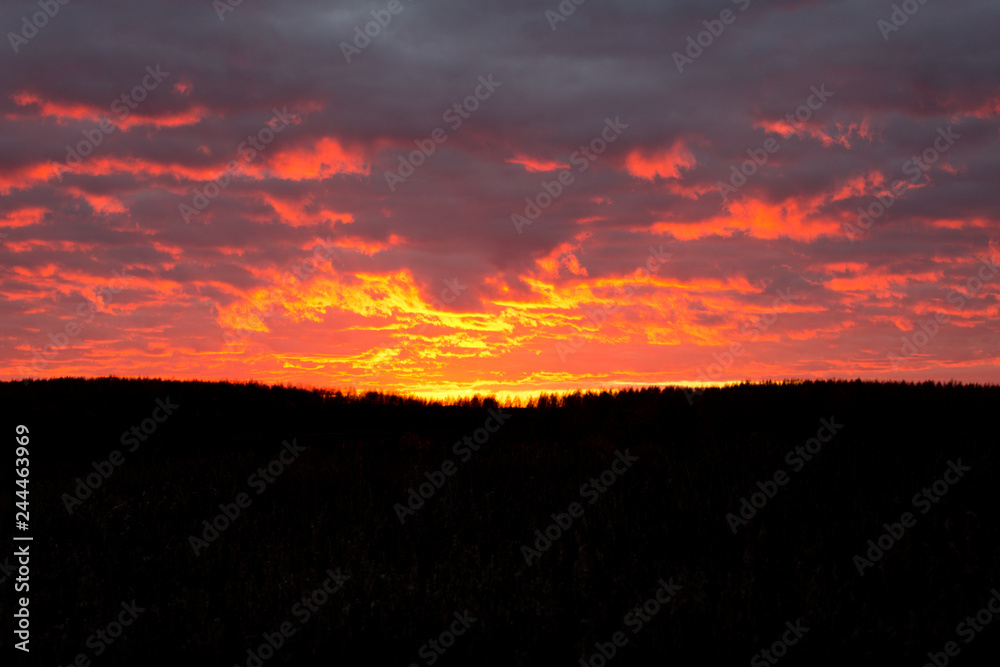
462 548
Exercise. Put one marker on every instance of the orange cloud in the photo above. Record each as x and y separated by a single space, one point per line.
536 165
325 158
663 164
792 218
39 107
29 215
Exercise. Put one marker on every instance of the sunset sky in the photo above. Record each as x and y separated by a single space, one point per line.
500 195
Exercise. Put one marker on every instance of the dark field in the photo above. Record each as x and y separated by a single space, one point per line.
664 517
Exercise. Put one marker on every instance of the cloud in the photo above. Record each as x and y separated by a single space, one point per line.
375 316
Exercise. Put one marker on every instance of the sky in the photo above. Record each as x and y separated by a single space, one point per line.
500 196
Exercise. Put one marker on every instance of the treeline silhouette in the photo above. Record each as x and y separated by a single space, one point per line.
462 548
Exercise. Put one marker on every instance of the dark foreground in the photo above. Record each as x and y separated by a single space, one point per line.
318 562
